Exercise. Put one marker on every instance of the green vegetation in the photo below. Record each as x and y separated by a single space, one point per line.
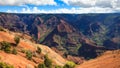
69 64
41 65
4 65
41 39
60 40
17 40
29 55
57 39
23 50
6 46
44 36
100 37
33 38
58 66
48 62
74 50
1 29
67 47
14 51
39 50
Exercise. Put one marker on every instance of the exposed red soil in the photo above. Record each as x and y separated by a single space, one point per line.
20 60
110 59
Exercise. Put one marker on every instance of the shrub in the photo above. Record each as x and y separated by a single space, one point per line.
41 65
4 65
39 50
69 64
48 62
58 66
1 29
23 50
29 55
17 40
6 47
14 51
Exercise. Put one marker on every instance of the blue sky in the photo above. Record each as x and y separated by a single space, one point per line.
60 6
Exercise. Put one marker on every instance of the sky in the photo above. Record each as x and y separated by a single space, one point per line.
60 6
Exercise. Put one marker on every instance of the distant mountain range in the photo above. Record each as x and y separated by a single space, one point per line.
84 35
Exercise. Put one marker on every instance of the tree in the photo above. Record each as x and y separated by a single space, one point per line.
41 65
14 51
48 62
4 65
39 50
69 64
17 40
58 66
29 55
6 46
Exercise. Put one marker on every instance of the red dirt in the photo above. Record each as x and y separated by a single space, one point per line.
110 59
19 60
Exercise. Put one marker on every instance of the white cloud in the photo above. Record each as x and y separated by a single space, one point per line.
85 6
93 3
81 3
72 10
23 2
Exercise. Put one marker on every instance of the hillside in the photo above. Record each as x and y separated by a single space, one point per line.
76 37
20 60
60 31
109 59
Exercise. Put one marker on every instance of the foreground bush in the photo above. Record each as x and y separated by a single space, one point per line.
23 50
69 64
41 65
39 50
48 62
58 66
4 65
6 47
17 40
29 55
14 51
